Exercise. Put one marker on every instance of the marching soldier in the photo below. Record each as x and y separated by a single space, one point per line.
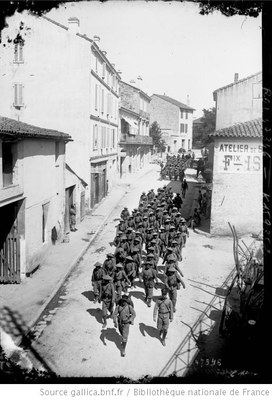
120 280
163 312
173 282
109 265
149 277
124 315
97 276
172 263
107 297
184 231
130 269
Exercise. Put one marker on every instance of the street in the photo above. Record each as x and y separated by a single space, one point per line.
73 342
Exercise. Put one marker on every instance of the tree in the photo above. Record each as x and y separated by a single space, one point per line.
207 126
156 134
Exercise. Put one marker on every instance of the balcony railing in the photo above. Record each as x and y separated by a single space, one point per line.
135 139
144 114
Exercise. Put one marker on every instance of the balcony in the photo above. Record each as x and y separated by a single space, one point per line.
144 115
135 139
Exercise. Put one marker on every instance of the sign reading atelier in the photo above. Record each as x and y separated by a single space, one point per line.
239 157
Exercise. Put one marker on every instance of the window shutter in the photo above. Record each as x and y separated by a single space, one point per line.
20 95
95 100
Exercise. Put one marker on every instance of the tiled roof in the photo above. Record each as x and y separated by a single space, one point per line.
198 121
250 129
11 127
175 102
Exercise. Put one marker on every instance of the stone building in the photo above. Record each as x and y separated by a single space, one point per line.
56 77
237 158
134 140
32 195
175 120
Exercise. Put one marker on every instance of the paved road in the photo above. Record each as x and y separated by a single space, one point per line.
73 341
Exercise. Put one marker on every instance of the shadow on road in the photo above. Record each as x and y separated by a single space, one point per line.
23 363
89 295
138 295
111 335
97 313
150 330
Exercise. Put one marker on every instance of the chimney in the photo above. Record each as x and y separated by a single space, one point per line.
236 77
73 24
188 100
132 81
139 81
96 38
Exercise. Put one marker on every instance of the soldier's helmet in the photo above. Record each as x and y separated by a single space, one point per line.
97 264
171 269
119 265
110 255
129 258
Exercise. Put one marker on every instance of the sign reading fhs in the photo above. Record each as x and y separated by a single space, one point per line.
240 158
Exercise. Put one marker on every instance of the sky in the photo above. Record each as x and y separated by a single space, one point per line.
175 50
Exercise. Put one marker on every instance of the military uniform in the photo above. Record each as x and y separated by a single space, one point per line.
173 282
97 276
149 277
131 269
164 309
107 297
109 265
120 280
124 315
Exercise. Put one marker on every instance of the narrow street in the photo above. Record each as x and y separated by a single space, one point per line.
73 342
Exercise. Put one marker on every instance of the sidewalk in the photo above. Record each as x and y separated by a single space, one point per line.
21 305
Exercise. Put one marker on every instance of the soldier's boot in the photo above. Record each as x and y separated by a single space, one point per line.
160 334
148 302
95 299
163 338
104 319
123 347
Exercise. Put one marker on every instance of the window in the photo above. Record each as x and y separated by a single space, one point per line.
18 52
181 114
189 144
57 152
186 128
95 137
103 138
102 101
7 163
113 138
45 209
18 95
104 70
96 97
183 143
181 128
108 137
186 115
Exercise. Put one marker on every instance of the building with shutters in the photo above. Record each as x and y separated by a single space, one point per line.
237 192
134 141
175 120
56 77
32 195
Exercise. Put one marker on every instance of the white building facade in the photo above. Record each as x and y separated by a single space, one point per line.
60 79
175 120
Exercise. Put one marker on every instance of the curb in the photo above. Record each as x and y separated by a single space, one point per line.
73 265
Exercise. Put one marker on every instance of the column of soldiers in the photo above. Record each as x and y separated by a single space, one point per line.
156 229
175 166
